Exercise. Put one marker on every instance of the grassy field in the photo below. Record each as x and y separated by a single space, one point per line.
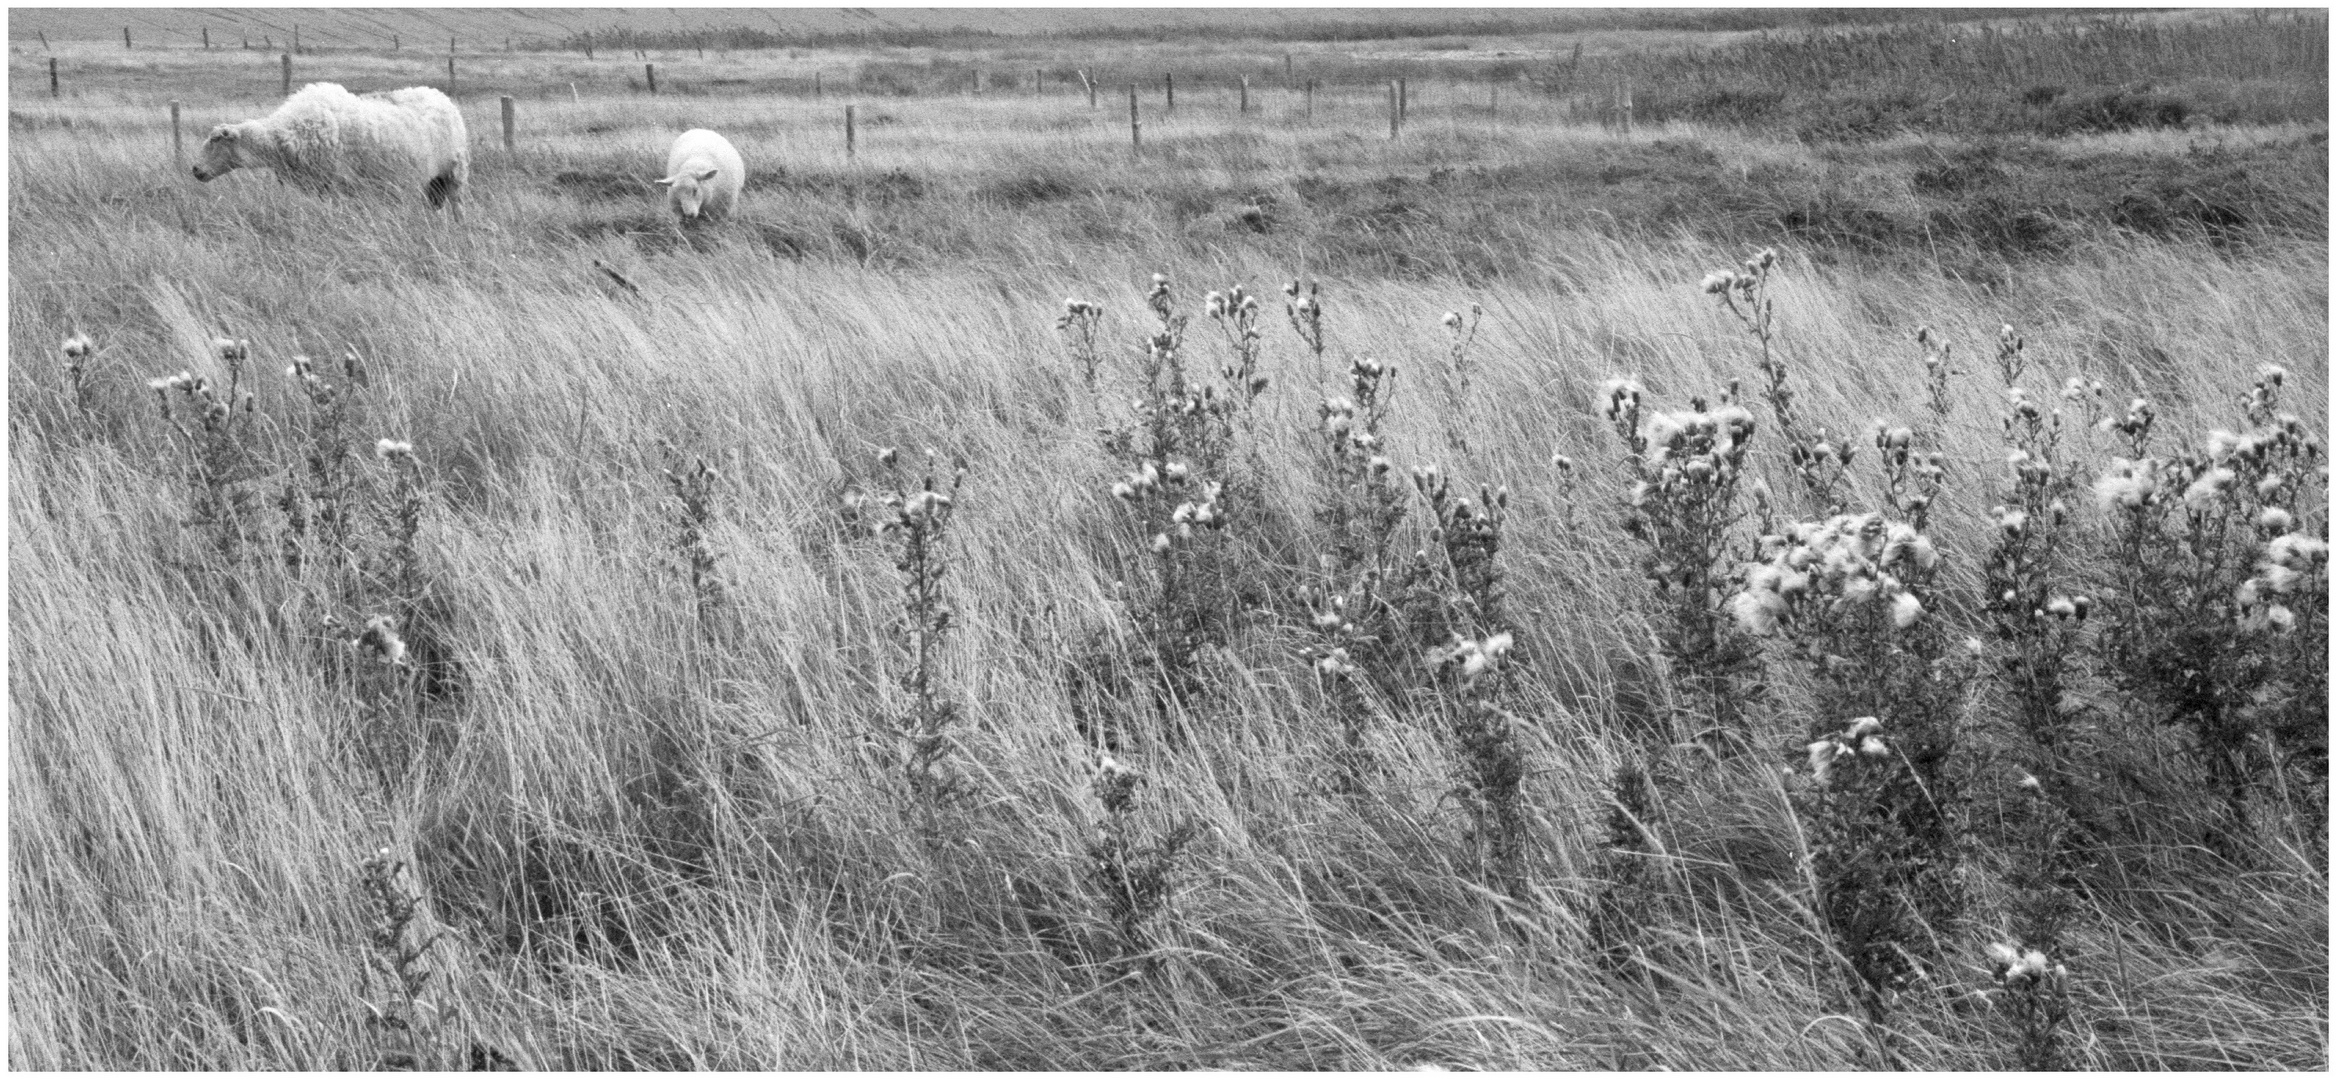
684 770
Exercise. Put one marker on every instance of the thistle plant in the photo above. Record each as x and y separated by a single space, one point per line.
1822 464
1177 452
394 576
1566 483
2038 623
1078 326
2033 617
1339 643
1849 598
380 642
2220 609
220 446
693 483
385 730
2043 882
2088 395
2012 358
920 516
1627 902
1184 612
1366 505
77 351
399 954
1880 867
2032 991
1462 596
1464 334
400 513
1133 876
320 493
1492 767
1686 468
1235 311
1936 372
1819 462
1912 478
1352 614
1304 308
1175 420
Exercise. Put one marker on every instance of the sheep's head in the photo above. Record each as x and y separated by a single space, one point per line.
688 190
226 150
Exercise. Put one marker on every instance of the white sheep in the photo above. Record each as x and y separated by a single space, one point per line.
325 138
703 175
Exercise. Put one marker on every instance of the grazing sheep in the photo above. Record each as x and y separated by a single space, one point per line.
703 175
325 138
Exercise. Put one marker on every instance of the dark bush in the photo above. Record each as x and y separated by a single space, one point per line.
1029 189
2040 96
2116 110
1746 107
1965 170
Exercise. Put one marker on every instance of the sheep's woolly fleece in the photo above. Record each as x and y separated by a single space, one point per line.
325 137
703 175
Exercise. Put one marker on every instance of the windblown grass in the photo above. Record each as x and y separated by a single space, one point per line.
652 846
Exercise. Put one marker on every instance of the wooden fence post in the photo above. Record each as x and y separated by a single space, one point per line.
295 39
1245 105
52 76
44 40
206 39
1403 100
450 74
1626 107
395 44
508 143
1135 124
287 74
1289 77
1310 99
588 44
1090 84
178 149
848 132
1395 119
1170 80
651 71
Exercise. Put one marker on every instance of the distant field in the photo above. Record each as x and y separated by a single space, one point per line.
685 769
479 29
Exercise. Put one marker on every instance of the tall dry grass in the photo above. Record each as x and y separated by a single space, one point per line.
655 847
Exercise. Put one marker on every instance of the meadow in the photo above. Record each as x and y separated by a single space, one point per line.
897 628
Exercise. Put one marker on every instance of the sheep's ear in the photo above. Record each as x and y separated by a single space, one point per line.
663 181
707 176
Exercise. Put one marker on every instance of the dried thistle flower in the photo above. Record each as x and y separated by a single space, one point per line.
381 640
